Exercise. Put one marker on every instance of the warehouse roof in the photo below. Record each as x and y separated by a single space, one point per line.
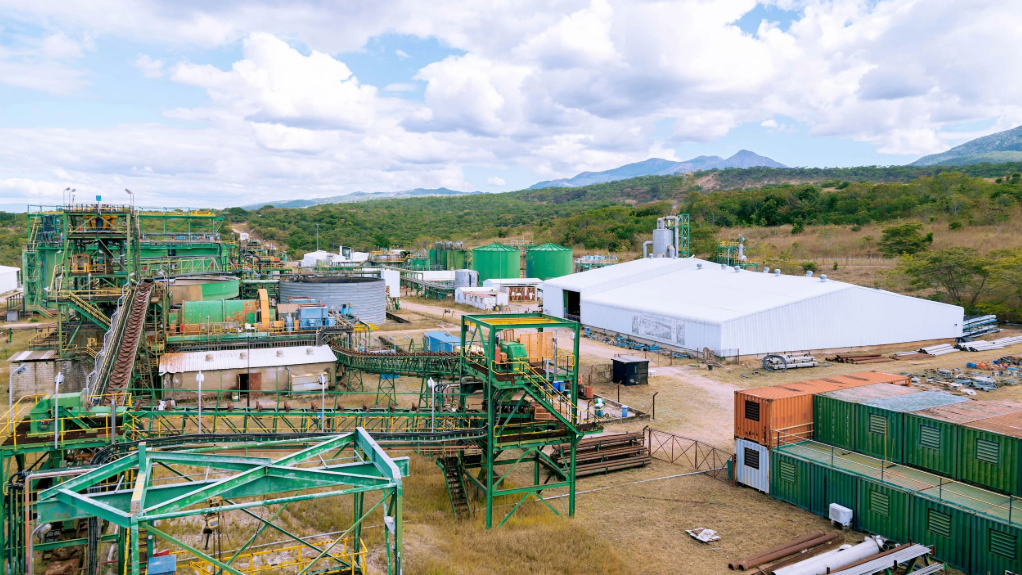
238 358
699 289
37 355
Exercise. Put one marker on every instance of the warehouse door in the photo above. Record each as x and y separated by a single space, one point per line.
572 303
250 381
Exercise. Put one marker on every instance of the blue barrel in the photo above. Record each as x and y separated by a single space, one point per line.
624 411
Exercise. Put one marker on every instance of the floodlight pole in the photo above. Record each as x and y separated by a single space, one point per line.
59 379
198 379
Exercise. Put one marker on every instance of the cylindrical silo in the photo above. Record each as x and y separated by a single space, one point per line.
204 288
456 259
496 261
662 238
548 261
366 297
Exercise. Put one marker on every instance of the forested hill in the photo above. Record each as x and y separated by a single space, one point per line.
758 177
617 216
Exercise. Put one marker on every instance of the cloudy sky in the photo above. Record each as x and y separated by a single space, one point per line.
190 102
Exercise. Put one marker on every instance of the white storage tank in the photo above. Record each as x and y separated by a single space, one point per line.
366 296
465 278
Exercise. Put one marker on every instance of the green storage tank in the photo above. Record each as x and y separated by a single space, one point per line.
834 413
441 259
548 261
496 261
211 288
457 259
989 453
433 256
933 436
880 423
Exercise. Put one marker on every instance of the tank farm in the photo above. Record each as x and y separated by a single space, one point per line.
159 303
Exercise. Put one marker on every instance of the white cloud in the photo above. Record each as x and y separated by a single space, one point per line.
496 181
150 68
401 54
277 83
558 87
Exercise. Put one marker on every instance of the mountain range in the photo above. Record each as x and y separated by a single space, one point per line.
659 167
361 197
996 148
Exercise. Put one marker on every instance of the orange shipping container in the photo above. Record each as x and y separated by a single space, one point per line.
762 411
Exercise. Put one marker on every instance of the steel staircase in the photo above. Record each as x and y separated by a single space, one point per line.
455 481
86 308
558 403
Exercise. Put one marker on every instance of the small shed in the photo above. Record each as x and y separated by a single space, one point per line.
631 370
517 289
292 369
440 341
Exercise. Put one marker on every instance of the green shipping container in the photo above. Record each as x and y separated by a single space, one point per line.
989 453
832 486
496 261
790 479
996 547
882 510
943 527
933 436
834 414
880 424
548 261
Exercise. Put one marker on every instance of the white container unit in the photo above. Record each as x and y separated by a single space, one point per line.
752 465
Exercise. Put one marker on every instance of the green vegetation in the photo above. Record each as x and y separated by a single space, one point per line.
982 283
12 238
842 177
905 239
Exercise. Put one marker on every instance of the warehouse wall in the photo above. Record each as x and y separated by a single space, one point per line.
847 318
182 385
37 379
678 332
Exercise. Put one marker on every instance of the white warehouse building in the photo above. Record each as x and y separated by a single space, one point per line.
694 304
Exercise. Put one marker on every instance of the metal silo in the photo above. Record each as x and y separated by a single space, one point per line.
548 261
366 297
496 261
457 259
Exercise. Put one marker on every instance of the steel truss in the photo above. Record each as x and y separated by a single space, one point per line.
351 464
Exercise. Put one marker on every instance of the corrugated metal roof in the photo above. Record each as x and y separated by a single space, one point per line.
1010 425
496 282
815 386
869 392
968 411
37 355
236 359
916 401
443 337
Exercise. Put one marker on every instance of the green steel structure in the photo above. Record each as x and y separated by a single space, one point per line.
548 261
977 531
496 261
352 464
526 408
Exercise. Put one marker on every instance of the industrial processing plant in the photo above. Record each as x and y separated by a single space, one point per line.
181 387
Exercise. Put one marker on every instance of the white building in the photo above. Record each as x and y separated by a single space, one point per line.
10 279
695 304
481 298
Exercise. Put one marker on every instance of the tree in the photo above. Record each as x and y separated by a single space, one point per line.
905 239
1006 276
958 275
382 240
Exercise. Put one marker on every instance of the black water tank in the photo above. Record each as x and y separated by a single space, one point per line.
631 370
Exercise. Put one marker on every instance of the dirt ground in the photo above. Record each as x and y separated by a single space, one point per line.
640 517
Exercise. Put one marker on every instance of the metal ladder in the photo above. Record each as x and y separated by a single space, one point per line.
452 469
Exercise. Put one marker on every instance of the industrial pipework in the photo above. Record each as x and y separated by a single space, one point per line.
664 245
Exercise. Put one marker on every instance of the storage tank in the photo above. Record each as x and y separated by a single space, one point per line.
496 261
204 288
662 238
465 278
366 296
457 259
548 261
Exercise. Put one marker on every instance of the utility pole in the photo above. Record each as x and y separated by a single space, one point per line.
317 237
